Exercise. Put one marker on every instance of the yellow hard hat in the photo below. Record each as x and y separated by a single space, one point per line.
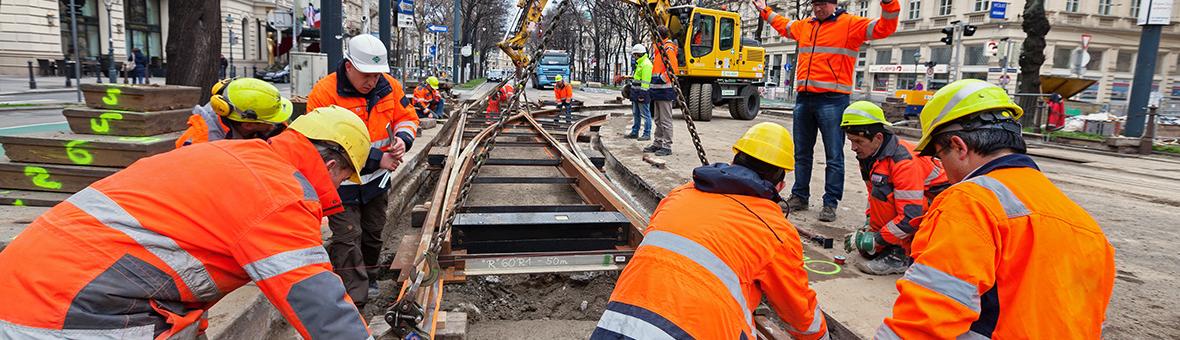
863 113
341 126
557 78
960 99
770 143
433 81
250 100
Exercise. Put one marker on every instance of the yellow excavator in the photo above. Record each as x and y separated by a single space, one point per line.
717 66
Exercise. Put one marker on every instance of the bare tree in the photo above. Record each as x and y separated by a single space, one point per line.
194 44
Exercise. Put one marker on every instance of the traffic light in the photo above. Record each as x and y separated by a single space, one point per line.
950 35
931 64
968 30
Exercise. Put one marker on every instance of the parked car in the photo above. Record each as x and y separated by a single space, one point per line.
275 74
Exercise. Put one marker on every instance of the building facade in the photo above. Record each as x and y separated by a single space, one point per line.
887 65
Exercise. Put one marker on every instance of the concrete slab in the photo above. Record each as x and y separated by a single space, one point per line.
242 314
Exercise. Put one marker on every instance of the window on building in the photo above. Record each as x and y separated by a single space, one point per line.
906 81
915 9
860 58
1072 5
1125 60
88 37
884 56
909 56
1061 56
1090 93
975 75
863 8
1095 59
776 68
940 54
944 7
1159 64
1134 8
1104 6
1119 89
982 5
975 55
702 35
880 82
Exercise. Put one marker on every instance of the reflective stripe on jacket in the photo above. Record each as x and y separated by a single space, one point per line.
642 76
828 48
137 255
706 261
1004 254
900 185
390 111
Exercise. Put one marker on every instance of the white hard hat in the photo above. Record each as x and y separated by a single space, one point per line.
367 54
638 49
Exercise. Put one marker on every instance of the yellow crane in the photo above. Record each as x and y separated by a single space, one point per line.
716 65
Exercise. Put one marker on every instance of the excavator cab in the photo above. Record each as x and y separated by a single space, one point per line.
717 66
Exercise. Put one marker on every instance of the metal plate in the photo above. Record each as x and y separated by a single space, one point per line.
545 264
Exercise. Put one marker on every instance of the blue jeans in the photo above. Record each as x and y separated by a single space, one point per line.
439 110
641 112
564 108
819 112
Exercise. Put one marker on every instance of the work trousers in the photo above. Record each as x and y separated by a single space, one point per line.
662 113
356 245
819 113
563 109
642 115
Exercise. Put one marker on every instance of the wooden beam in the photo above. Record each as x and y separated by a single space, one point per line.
85 150
49 177
141 98
126 123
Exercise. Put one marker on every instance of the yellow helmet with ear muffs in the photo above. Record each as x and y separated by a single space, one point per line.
250 100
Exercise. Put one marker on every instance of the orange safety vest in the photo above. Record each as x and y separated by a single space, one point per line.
564 93
393 111
502 95
828 48
661 76
706 261
203 126
141 255
424 96
1005 255
900 183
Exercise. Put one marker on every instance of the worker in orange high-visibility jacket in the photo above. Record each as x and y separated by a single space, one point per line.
363 85
239 108
427 101
140 255
713 249
829 42
497 100
564 93
1002 253
663 70
900 184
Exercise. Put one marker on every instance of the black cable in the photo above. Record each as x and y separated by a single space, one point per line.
780 241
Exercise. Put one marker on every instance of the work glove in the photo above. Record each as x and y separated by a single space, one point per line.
863 241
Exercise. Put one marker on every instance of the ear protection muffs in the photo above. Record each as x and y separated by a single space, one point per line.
218 101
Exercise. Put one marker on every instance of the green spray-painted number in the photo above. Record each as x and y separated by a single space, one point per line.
112 97
18 203
41 177
144 140
77 154
102 123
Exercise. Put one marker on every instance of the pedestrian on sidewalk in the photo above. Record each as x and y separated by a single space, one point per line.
139 73
640 94
565 100
829 42
900 184
1003 253
146 252
714 249
663 92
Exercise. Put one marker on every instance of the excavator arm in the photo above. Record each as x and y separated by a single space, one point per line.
530 18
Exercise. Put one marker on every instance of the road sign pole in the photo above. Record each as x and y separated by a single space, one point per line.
331 26
384 11
1149 44
457 34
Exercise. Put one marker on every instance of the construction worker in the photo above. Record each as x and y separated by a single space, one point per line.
640 96
899 183
663 92
829 42
240 108
427 101
1002 253
498 99
565 100
140 255
713 249
362 84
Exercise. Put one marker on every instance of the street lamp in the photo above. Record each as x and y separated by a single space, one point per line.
111 39
917 56
229 25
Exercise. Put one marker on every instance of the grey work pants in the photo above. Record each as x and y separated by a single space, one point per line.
356 245
662 114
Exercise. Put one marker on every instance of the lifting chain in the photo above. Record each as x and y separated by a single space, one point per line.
405 314
649 16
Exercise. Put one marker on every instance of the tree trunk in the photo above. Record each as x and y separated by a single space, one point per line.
194 44
1032 56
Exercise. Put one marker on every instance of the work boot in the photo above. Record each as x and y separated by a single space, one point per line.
886 264
645 137
374 290
663 152
796 203
630 136
651 148
828 214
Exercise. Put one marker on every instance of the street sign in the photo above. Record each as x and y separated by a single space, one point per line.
993 48
999 10
1086 41
405 14
1078 59
929 71
433 51
1005 79
1155 12
436 29
280 19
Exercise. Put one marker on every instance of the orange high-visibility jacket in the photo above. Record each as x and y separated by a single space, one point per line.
564 93
900 183
502 95
392 111
661 76
1005 255
140 254
706 261
203 126
828 48
425 96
